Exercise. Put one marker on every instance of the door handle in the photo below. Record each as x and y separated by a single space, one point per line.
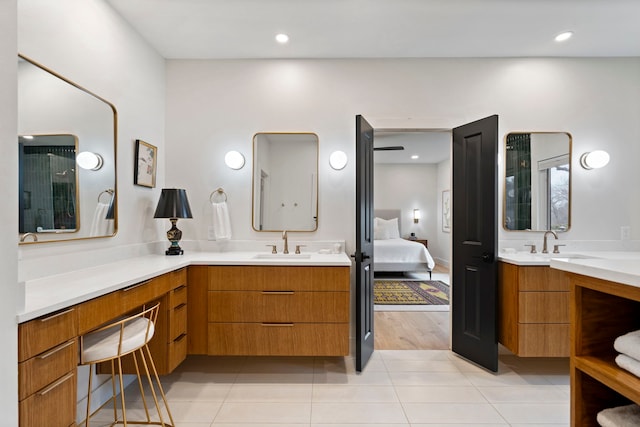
487 257
363 256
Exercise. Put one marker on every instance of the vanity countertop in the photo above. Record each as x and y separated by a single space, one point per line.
619 267
52 293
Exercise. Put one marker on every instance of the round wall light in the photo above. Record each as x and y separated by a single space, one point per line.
338 160
234 160
89 161
594 159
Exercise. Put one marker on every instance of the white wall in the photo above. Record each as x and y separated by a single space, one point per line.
443 237
8 217
213 106
88 43
408 187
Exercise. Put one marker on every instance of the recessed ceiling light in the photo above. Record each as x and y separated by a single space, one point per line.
282 38
415 156
564 36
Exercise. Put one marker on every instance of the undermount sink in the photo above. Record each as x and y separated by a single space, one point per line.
560 255
282 256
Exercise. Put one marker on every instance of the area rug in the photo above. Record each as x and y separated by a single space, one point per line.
419 292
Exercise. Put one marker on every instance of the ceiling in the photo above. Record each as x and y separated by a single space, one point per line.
431 146
384 28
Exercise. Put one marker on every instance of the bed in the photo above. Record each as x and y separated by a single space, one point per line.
391 253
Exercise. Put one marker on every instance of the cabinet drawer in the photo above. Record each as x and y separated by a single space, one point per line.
544 307
543 340
142 293
177 352
36 372
278 306
178 321
178 296
176 278
278 278
293 339
542 278
44 333
53 406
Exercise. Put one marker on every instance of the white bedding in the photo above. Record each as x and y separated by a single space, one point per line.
401 251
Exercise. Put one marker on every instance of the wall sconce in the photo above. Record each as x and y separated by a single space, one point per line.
90 161
594 160
338 160
234 160
173 204
416 215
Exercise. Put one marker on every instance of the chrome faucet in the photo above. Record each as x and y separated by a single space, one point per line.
286 242
544 243
25 235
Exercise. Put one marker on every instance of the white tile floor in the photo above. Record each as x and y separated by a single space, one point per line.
431 388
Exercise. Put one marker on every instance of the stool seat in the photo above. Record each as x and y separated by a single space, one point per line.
117 340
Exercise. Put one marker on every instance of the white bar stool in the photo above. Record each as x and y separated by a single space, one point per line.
110 343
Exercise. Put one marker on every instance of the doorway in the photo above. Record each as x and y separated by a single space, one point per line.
412 172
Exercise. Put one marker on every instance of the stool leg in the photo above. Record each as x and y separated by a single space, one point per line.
140 386
86 421
124 410
114 395
157 378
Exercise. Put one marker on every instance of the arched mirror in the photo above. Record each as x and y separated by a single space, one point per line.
537 184
67 158
285 181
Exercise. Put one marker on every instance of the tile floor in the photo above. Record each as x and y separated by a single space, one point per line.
430 388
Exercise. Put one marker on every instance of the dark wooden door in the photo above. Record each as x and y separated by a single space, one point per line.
364 242
474 242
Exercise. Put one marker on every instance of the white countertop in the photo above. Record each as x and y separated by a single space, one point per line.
620 267
52 293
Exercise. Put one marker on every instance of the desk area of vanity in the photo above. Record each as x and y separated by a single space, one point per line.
231 303
603 304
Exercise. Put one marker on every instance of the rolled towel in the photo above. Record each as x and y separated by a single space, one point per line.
628 344
622 416
628 363
221 221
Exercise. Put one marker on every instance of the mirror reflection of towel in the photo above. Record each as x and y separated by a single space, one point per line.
100 226
221 221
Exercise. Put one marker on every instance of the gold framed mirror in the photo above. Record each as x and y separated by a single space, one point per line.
60 124
285 181
537 181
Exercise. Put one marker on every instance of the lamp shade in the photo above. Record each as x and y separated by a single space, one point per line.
173 203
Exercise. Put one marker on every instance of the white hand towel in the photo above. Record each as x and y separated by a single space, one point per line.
628 363
622 416
221 221
100 225
628 344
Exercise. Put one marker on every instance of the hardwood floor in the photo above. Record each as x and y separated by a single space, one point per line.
412 330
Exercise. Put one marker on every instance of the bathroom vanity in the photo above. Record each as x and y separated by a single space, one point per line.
533 308
604 301
211 303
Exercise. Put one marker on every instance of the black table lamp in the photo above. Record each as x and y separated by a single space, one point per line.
173 204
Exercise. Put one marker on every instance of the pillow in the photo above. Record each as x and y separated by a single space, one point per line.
385 229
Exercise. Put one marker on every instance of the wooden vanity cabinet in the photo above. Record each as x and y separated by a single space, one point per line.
276 311
47 359
601 311
533 310
168 345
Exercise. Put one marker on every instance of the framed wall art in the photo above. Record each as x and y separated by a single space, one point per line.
144 173
446 211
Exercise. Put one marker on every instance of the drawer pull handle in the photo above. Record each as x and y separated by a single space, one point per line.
179 288
178 307
181 337
278 292
136 286
57 349
56 384
62 313
277 324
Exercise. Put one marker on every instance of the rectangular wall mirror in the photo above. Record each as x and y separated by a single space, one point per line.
59 124
537 184
285 182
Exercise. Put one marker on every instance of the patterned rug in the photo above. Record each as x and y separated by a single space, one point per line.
405 292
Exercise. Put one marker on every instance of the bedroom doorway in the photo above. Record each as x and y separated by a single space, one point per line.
412 176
